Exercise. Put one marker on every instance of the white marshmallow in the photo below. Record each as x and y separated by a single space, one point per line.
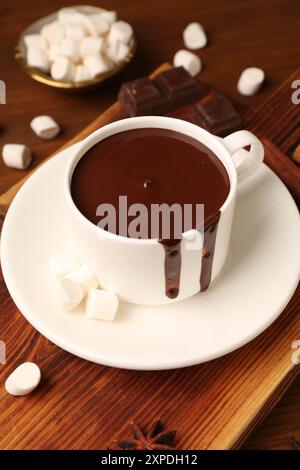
188 60
16 156
67 294
109 16
61 264
295 344
81 74
69 48
96 65
53 32
38 59
122 52
84 277
95 25
35 40
111 50
23 380
101 305
194 36
53 52
63 69
117 51
295 358
45 127
70 15
75 32
250 81
120 31
90 46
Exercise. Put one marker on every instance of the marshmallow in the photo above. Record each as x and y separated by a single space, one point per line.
16 156
75 32
96 65
109 16
38 59
70 15
90 46
67 294
53 32
45 127
84 277
69 48
188 60
62 264
295 358
81 74
23 380
101 305
35 40
122 53
53 52
111 50
250 81
117 51
194 36
120 31
95 25
295 344
63 69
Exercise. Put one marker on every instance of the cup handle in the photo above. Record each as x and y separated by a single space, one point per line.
246 161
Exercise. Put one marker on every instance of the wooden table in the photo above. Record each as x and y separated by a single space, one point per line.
241 33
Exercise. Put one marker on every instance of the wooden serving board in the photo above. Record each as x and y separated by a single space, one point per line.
81 405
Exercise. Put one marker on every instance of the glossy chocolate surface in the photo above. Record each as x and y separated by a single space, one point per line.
141 97
179 86
169 90
154 166
216 114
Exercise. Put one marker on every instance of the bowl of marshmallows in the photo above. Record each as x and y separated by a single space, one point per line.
76 47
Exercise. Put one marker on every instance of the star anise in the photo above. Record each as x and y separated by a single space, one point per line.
154 439
294 444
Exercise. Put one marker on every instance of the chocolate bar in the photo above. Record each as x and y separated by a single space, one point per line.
179 87
169 90
216 114
141 97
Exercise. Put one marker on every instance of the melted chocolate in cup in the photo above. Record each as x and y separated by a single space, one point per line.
155 166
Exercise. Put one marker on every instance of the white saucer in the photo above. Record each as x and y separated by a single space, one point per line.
260 276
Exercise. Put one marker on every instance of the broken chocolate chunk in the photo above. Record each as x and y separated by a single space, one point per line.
169 90
141 97
179 86
216 114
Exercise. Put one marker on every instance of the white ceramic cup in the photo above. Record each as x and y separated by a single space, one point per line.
134 268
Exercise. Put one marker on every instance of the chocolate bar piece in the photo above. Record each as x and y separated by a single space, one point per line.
179 86
170 89
141 97
216 114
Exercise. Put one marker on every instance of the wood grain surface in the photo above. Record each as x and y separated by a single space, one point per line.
82 405
240 33
212 406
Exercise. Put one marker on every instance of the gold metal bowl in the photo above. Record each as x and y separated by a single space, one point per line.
35 28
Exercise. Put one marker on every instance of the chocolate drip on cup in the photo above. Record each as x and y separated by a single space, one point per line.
154 167
209 242
172 266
